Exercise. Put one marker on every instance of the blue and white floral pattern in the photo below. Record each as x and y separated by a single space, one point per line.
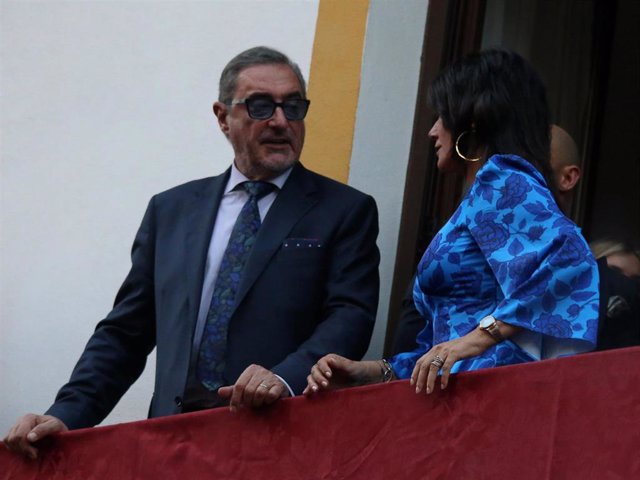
506 251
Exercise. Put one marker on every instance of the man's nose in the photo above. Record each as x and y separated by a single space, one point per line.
278 118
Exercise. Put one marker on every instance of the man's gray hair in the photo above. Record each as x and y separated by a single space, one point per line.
249 58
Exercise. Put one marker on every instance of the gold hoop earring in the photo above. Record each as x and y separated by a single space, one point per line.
458 149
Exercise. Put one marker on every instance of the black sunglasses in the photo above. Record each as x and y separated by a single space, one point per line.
262 108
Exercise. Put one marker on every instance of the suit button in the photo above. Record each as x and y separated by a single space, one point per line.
178 401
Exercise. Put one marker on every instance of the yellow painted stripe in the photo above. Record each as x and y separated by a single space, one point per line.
334 84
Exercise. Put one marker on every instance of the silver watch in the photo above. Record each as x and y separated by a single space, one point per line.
490 325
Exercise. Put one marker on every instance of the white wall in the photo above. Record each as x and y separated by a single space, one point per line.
384 125
103 105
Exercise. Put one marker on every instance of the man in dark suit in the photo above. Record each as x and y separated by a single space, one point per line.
306 284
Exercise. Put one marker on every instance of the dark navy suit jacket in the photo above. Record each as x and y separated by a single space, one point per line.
310 287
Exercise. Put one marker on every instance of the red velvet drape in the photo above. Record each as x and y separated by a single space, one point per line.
577 417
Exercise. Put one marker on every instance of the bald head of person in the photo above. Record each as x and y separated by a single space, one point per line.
565 162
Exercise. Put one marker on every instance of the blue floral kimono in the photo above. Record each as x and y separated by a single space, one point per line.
507 251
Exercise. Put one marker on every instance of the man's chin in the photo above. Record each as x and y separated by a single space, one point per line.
270 167
278 163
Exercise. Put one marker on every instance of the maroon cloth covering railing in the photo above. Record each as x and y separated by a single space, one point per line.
576 417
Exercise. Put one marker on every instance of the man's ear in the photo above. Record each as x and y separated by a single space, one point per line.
569 176
221 111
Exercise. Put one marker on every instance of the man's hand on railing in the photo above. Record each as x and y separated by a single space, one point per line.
255 387
28 430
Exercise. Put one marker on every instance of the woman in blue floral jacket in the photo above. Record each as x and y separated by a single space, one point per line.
509 278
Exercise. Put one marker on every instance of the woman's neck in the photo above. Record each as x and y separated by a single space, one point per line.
471 172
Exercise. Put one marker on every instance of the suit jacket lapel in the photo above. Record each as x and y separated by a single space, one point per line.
297 196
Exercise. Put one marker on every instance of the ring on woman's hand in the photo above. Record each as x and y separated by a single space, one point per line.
437 362
263 385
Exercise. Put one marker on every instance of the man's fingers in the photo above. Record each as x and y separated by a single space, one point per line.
236 396
27 449
260 394
256 391
269 389
230 393
31 452
239 387
48 427
274 393
31 428
7 439
256 386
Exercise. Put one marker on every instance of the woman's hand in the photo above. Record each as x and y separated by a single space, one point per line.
333 372
444 355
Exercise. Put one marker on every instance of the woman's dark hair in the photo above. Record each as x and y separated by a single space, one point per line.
502 96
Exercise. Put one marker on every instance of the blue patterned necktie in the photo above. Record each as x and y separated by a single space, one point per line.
211 360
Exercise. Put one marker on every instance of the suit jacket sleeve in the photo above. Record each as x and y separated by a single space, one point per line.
116 353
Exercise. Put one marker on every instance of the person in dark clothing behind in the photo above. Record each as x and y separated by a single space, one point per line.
619 267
